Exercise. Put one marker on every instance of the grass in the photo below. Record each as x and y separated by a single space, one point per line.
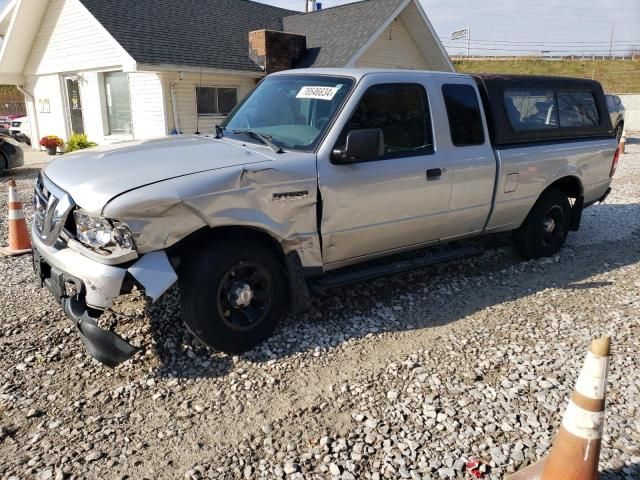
616 76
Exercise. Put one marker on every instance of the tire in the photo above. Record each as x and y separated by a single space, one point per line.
619 129
545 229
3 164
216 305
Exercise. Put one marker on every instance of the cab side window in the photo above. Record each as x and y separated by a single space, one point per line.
463 110
401 111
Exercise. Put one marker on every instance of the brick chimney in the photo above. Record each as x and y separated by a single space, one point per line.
275 51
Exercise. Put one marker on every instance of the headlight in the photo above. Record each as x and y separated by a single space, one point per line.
99 232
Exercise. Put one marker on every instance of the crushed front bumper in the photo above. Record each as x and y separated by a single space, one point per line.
83 287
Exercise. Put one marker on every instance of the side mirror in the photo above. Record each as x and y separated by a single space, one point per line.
362 146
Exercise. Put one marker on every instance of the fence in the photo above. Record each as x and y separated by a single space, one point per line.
545 57
632 111
11 103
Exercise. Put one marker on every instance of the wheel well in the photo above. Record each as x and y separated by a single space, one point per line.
569 185
196 240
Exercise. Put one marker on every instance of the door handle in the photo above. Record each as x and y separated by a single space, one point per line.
434 173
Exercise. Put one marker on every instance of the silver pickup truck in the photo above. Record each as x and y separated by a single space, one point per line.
317 170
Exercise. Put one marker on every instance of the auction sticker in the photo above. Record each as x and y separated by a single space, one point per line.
318 93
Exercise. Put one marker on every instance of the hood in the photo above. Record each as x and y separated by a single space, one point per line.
93 177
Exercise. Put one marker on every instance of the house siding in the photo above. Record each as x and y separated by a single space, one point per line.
46 87
71 39
186 98
147 105
394 48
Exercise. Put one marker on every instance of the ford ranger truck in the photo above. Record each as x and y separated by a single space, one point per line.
317 170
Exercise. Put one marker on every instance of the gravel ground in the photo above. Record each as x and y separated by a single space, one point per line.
404 377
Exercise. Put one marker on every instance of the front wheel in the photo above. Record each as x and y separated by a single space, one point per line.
545 229
233 295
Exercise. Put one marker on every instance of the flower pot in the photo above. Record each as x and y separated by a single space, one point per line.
52 150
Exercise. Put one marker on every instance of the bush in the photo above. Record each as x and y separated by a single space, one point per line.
51 141
78 141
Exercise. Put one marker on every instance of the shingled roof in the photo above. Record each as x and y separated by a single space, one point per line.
336 34
214 33
209 33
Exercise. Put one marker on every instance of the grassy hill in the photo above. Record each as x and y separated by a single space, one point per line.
616 76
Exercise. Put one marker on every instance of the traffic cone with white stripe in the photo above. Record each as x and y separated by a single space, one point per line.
19 241
576 449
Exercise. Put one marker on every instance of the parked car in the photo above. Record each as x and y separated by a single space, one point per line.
21 129
616 112
5 122
318 170
11 155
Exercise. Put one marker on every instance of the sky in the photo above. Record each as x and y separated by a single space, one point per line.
518 27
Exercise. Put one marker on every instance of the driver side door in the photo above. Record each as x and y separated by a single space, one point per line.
397 201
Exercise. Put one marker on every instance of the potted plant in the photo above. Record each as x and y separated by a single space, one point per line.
51 143
78 141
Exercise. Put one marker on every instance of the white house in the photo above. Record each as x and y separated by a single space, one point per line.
120 70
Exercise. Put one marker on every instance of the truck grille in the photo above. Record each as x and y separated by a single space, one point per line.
52 207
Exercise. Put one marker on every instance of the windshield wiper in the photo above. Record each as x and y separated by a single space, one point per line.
266 139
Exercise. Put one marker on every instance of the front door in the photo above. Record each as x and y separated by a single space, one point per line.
75 105
396 201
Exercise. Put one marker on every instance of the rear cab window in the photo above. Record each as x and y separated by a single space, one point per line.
401 111
463 111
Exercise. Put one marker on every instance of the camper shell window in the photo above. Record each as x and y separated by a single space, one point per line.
536 109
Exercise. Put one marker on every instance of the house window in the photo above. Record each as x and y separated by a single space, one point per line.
116 91
216 100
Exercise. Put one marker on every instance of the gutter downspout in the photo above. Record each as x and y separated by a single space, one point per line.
35 131
174 105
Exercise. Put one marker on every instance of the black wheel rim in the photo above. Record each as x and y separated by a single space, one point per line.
553 225
244 296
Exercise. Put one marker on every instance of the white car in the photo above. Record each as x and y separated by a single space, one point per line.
21 129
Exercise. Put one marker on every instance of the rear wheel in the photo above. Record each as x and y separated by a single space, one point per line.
545 229
619 129
233 295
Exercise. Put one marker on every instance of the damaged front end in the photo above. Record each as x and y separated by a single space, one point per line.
86 281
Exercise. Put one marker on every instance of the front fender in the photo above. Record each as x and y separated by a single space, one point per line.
280 203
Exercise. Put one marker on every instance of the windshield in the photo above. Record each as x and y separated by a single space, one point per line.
292 111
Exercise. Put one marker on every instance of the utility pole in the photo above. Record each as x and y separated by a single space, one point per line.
468 41
613 24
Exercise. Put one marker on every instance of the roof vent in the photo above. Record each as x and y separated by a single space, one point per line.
275 51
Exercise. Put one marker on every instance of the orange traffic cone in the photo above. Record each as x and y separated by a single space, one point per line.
19 241
576 449
623 142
